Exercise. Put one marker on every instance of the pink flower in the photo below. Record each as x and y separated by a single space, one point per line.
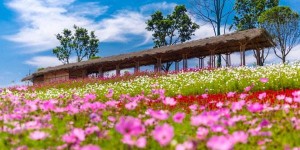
264 123
207 119
163 134
111 118
243 96
220 143
204 95
193 107
264 80
130 126
256 107
90 147
131 105
219 104
159 114
280 97
112 103
141 142
288 99
248 88
48 105
178 117
110 93
187 145
237 105
91 130
262 95
38 135
79 133
149 122
21 88
218 128
95 118
230 94
69 138
239 137
169 101
88 97
202 133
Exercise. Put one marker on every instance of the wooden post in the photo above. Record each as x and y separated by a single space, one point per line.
158 65
212 59
258 58
242 53
176 66
201 62
137 67
84 73
228 60
100 72
118 71
185 64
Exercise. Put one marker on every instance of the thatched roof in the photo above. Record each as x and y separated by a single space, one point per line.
228 43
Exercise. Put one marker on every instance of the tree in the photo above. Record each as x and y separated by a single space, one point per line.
246 17
93 46
63 52
248 11
283 25
169 30
83 44
213 12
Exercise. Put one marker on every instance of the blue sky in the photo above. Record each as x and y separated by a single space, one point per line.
28 28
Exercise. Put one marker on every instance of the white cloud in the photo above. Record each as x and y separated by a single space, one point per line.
121 25
45 61
42 19
158 6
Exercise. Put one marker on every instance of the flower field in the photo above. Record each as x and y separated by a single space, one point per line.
227 108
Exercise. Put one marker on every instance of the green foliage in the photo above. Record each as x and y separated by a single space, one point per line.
63 52
94 57
39 69
283 25
175 27
83 44
248 11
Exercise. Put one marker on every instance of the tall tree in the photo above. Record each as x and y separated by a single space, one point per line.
83 44
63 52
93 46
214 12
246 17
283 25
248 11
175 27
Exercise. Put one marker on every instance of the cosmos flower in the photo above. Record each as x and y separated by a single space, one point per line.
163 134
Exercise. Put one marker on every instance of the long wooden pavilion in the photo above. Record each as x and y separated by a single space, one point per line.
253 39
